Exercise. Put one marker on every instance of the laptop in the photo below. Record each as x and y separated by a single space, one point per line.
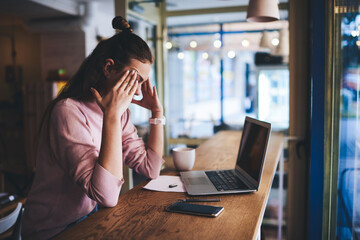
246 175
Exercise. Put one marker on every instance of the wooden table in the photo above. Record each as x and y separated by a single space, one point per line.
140 213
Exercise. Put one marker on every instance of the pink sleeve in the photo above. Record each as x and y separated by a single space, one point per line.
136 155
74 150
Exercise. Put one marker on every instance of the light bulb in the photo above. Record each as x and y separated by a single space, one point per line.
245 43
217 43
231 54
193 44
275 41
168 45
180 55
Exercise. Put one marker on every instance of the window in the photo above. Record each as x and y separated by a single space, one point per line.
348 213
217 76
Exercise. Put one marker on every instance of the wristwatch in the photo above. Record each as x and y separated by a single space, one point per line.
156 121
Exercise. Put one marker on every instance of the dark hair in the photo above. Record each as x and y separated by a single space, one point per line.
121 48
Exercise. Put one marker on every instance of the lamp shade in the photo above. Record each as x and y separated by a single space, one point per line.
265 41
262 11
283 47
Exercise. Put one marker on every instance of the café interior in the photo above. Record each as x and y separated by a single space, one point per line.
212 68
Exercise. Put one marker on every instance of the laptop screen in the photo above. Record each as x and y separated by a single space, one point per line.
253 146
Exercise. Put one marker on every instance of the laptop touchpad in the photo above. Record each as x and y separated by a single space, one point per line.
198 181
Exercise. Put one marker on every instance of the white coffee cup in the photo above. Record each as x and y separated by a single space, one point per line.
184 158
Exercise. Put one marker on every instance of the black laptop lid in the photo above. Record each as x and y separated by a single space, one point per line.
252 150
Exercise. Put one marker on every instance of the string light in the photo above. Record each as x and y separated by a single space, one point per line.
193 44
217 43
245 43
205 55
180 55
168 45
275 41
231 54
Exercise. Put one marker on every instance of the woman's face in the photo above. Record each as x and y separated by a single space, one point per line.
142 69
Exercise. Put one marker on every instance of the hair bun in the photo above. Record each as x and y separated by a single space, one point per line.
120 23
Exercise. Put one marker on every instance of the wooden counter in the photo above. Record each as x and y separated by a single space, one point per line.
140 213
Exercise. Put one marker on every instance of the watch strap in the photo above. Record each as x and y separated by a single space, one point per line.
156 121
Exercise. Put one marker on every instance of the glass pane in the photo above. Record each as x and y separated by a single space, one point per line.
348 219
194 81
211 81
239 86
252 84
194 92
273 99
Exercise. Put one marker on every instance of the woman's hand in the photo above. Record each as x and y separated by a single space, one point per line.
150 99
117 100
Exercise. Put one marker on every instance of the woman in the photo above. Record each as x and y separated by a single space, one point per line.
87 136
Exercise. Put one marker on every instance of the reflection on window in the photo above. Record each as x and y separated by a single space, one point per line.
217 75
194 93
348 219
273 97
214 79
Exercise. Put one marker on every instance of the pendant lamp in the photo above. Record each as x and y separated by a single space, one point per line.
262 11
283 48
265 41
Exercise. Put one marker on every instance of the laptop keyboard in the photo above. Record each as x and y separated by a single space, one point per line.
225 180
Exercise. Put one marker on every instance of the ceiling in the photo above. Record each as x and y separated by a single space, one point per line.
176 5
34 10
213 18
38 9
225 17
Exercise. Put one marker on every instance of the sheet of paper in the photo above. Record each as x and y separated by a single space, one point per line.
162 184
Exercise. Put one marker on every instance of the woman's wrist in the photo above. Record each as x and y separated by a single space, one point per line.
157 114
112 116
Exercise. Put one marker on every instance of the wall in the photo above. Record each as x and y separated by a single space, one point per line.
27 47
12 147
64 50
97 22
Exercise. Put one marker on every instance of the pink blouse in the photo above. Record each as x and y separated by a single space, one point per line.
69 181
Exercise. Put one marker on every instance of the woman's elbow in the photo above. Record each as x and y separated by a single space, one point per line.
153 174
106 199
109 202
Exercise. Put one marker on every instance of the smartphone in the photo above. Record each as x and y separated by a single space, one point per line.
195 209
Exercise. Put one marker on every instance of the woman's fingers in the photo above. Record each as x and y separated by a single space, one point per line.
122 79
97 95
133 88
129 81
146 87
154 91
